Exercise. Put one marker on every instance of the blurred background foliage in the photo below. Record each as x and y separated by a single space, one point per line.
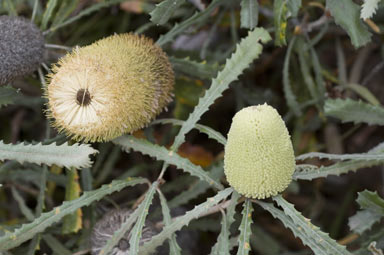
324 64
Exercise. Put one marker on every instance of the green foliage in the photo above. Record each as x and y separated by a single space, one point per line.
280 20
352 23
28 231
76 155
245 228
164 10
246 51
309 234
7 95
354 111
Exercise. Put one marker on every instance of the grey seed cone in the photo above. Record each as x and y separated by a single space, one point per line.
21 48
109 224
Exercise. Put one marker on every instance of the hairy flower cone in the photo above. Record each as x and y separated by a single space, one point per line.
259 160
114 86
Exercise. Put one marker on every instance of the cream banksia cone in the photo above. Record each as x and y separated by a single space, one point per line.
114 86
259 160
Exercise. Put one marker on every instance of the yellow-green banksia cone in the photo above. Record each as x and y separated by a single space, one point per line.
259 160
114 86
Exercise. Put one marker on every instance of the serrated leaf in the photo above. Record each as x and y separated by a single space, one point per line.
76 155
280 21
181 221
249 14
356 156
161 153
288 93
309 234
245 228
371 201
310 172
8 95
174 248
351 23
222 246
349 110
143 211
369 8
364 93
363 220
72 223
201 70
246 51
182 27
210 132
164 11
29 230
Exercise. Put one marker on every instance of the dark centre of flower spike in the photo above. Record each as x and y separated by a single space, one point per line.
83 98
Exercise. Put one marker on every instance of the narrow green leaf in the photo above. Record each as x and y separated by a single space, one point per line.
76 155
222 245
369 8
55 245
89 10
161 153
356 156
246 51
293 7
29 230
182 27
51 4
249 14
309 234
143 211
164 11
72 222
351 23
310 172
181 221
364 93
245 228
371 201
354 111
22 205
210 132
288 93
318 74
201 70
280 21
10 7
8 95
174 248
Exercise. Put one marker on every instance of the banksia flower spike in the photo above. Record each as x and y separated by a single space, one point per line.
114 86
259 160
21 48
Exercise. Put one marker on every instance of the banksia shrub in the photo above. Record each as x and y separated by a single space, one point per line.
21 48
114 86
259 159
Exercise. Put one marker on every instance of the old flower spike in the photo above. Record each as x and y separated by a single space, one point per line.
259 159
114 86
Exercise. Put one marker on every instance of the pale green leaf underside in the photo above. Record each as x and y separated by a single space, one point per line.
29 230
246 51
249 13
354 111
347 14
355 156
369 8
164 11
161 153
184 220
309 234
76 155
245 228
